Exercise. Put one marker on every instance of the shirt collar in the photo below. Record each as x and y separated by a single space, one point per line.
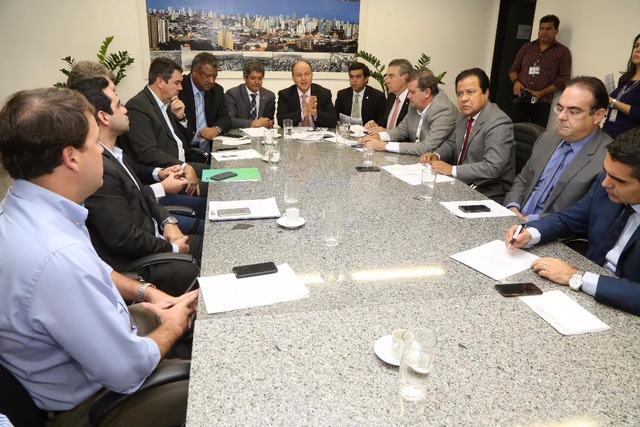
162 105
300 93
578 145
403 95
195 88
50 200
249 93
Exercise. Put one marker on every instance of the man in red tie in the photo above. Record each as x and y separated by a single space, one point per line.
398 101
306 103
608 217
481 150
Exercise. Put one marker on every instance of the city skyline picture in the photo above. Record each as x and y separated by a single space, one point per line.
323 32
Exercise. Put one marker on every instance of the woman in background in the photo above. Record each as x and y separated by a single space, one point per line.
624 102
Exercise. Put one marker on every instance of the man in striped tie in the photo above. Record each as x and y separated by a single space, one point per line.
608 216
249 104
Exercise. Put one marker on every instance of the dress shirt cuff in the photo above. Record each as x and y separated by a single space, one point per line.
158 190
384 136
184 165
535 237
393 147
590 283
454 171
533 217
513 205
176 249
156 174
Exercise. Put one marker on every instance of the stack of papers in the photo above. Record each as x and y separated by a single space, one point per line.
495 260
412 174
564 314
260 208
258 132
233 142
244 174
496 209
236 155
226 292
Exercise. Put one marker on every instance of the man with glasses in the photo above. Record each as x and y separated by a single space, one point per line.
565 162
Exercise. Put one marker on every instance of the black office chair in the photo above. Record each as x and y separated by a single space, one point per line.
18 406
525 135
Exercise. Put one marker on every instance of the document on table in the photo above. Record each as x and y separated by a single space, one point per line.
496 209
243 174
412 174
233 142
236 155
311 135
257 132
348 119
260 208
564 314
226 292
495 260
357 130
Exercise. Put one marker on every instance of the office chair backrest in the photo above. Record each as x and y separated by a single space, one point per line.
16 403
525 135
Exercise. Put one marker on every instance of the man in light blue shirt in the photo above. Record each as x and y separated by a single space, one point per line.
65 330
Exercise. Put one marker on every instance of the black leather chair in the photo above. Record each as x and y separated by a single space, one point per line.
525 135
18 406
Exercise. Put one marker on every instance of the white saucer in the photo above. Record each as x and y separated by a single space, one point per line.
383 350
282 222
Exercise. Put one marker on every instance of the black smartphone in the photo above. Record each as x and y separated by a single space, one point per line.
518 289
233 212
475 208
254 269
223 175
226 148
367 169
357 145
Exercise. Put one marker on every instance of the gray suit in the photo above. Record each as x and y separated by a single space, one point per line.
490 163
574 182
239 105
437 126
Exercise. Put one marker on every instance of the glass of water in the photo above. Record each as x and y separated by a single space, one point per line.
368 151
418 354
428 181
342 131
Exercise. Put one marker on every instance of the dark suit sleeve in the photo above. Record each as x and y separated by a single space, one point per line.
217 114
326 113
381 106
270 106
341 103
620 293
287 109
573 221
231 99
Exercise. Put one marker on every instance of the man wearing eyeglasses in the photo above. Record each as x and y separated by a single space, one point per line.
565 162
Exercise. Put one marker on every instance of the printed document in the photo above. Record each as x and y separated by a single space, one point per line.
495 260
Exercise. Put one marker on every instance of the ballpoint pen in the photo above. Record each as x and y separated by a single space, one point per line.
515 235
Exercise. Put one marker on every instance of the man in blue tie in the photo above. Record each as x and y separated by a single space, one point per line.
608 216
565 162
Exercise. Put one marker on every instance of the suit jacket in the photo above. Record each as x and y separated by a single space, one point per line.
591 217
391 100
490 163
121 215
239 105
575 181
437 126
149 139
215 109
289 106
373 104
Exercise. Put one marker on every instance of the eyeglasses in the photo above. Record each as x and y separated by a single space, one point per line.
572 111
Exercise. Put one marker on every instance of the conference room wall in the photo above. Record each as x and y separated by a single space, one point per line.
36 34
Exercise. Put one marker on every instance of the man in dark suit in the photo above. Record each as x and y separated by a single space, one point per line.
125 222
481 150
200 91
249 104
565 162
361 102
608 216
397 100
430 121
158 132
306 103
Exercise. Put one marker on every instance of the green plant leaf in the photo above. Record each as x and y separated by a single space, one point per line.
102 52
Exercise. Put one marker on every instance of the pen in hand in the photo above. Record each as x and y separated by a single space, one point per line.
515 236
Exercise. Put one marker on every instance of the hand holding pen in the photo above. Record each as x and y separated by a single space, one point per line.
516 236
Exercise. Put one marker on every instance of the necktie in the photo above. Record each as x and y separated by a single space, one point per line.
609 240
253 114
355 108
465 144
307 119
201 121
547 181
394 114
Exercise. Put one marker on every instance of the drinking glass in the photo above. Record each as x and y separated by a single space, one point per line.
287 132
342 132
273 153
416 363
291 194
332 216
268 136
368 151
428 181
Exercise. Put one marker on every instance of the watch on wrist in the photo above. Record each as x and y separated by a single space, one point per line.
169 220
143 288
575 281
612 104
219 129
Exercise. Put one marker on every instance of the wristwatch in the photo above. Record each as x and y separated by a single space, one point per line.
169 220
612 104
219 129
575 281
143 288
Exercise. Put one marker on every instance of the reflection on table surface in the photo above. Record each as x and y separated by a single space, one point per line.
311 362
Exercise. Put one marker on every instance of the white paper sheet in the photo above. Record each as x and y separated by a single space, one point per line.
319 134
260 208
236 155
257 132
494 260
564 314
348 119
412 174
496 209
226 292
233 142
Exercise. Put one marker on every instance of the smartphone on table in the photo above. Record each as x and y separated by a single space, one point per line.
518 289
251 270
474 208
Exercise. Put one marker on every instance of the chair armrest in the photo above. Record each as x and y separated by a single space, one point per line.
201 155
158 259
162 375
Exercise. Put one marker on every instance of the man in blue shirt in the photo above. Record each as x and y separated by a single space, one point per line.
65 330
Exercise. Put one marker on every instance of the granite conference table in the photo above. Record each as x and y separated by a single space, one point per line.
311 362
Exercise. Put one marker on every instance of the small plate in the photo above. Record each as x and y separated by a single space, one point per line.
383 350
282 222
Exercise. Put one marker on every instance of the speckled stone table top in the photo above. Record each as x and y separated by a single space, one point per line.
311 362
